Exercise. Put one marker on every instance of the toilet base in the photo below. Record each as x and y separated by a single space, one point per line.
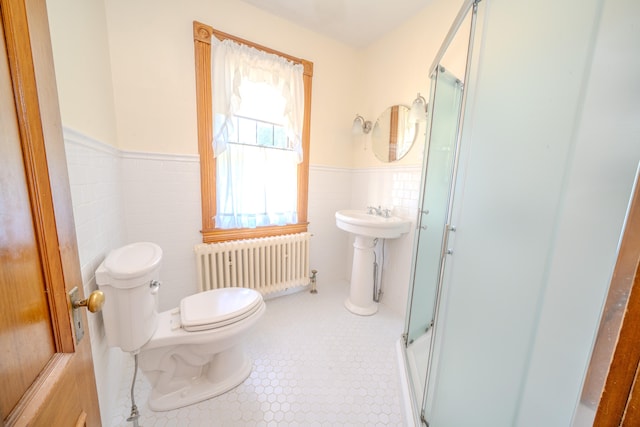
212 382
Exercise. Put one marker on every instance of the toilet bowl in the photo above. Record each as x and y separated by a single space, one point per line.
190 353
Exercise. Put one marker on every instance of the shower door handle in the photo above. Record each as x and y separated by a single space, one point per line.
445 249
424 212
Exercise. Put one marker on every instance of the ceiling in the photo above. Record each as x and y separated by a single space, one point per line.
356 23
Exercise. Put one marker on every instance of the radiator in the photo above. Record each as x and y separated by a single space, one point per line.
268 264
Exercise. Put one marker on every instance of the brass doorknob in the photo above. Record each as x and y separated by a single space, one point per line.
94 303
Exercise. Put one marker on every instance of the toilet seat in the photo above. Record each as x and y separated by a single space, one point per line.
217 308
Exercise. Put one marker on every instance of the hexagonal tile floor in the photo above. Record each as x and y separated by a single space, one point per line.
315 364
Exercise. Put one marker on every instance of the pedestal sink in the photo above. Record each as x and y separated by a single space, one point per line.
367 228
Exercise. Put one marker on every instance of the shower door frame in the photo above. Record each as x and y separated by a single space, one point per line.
428 259
449 227
462 15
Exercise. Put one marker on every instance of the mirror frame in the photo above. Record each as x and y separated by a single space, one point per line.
393 134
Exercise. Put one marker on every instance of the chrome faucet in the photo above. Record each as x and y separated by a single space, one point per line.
372 210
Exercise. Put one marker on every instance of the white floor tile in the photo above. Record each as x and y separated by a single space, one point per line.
315 364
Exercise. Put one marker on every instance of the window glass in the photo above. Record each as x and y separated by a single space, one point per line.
256 181
261 101
277 136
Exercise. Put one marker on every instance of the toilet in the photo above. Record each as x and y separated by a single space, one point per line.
190 353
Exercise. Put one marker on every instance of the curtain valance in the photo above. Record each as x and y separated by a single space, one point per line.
233 63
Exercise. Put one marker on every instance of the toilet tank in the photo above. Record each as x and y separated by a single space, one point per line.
129 279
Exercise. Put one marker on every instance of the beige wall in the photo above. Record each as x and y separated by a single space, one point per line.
153 72
83 69
126 72
396 69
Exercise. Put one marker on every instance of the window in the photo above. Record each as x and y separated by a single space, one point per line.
240 198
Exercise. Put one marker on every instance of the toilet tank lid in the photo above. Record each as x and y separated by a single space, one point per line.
134 260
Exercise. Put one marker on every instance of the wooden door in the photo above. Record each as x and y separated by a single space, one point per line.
46 378
619 400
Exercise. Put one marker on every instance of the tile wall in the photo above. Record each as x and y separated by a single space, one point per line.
397 188
329 191
96 192
161 198
122 197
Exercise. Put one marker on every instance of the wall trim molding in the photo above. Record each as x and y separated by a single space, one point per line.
381 169
76 137
387 169
321 168
165 157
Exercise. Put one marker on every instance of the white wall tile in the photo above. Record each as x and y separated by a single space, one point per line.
162 205
395 188
329 191
94 177
125 197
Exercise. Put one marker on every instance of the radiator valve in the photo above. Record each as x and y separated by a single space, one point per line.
313 282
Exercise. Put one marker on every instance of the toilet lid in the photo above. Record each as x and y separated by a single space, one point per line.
134 260
218 307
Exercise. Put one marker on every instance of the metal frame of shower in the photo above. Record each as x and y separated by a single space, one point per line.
457 23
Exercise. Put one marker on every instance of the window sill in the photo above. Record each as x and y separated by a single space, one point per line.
222 235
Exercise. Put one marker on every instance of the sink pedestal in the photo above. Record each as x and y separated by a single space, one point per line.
367 228
360 299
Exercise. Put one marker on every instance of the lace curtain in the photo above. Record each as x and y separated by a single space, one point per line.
255 185
233 63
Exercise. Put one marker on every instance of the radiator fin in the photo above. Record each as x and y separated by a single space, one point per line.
267 264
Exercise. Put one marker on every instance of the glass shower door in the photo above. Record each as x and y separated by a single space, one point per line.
445 105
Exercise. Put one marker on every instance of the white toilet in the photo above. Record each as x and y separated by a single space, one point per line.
190 353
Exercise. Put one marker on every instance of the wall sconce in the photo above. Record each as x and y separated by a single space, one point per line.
418 111
360 125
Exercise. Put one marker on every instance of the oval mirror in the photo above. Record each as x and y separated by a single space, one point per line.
393 135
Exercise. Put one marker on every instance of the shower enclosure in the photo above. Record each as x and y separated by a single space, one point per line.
447 97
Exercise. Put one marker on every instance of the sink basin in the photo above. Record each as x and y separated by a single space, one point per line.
360 223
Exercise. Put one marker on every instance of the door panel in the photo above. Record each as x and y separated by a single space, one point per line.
619 392
25 320
45 377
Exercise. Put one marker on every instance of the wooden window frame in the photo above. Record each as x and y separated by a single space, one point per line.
202 34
